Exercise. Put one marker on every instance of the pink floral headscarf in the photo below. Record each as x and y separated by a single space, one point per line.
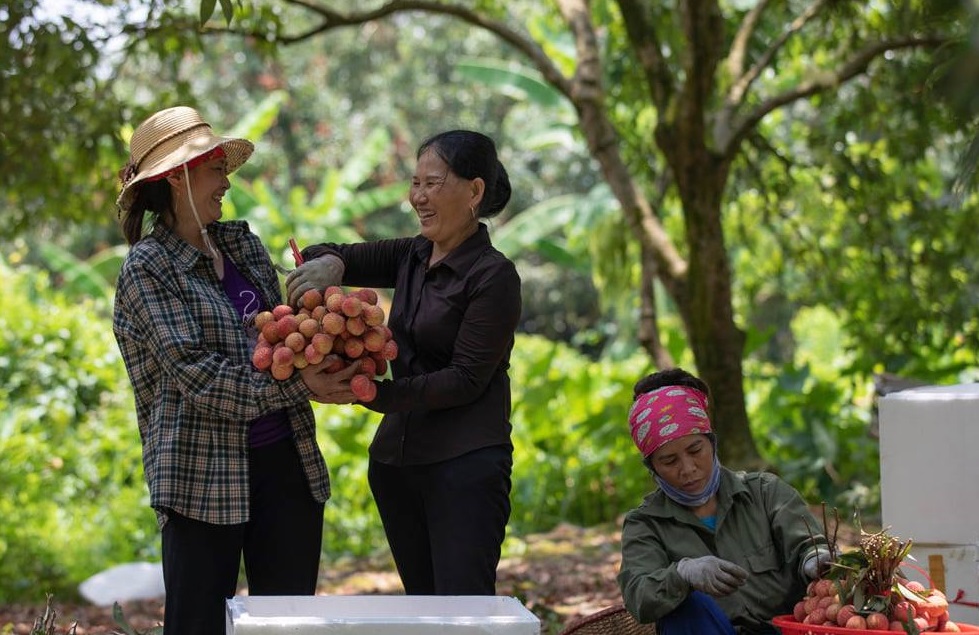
664 414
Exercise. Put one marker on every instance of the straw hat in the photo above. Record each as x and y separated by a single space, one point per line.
169 139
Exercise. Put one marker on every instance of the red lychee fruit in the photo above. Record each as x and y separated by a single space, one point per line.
353 347
263 318
363 388
368 366
296 341
313 355
309 327
322 342
373 315
356 326
270 332
367 295
877 622
287 324
262 357
351 306
333 323
390 350
311 299
374 340
334 302
282 356
856 622
282 310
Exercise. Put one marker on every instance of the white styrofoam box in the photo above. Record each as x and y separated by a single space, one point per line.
954 570
929 464
379 615
124 582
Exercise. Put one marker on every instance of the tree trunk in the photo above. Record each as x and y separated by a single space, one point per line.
715 339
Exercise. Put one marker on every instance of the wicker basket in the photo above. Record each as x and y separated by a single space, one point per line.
615 620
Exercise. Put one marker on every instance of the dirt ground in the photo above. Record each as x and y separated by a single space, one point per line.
560 576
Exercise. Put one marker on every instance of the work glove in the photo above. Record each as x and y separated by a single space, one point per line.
317 273
712 575
816 564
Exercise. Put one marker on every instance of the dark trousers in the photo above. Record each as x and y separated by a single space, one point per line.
445 522
280 544
699 614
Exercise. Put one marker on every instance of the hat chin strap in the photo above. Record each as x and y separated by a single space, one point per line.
207 239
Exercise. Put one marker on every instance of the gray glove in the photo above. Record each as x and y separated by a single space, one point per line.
318 273
711 575
816 564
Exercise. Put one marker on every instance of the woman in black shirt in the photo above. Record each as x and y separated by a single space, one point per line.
441 459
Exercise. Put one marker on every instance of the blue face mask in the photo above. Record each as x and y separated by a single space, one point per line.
693 500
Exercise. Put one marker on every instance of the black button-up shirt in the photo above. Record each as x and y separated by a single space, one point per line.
454 324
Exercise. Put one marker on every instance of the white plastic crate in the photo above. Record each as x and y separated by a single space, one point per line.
379 615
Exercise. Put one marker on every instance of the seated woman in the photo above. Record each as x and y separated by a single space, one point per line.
712 550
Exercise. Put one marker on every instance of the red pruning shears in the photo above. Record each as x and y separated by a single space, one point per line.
295 252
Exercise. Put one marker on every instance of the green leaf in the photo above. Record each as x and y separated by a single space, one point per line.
228 9
207 10
121 621
80 278
517 81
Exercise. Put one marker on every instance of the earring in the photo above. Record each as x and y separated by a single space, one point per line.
472 211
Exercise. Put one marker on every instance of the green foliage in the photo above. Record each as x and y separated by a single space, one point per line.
574 458
69 452
128 629
811 421
60 129
69 447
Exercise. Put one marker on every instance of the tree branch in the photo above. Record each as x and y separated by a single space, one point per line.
740 87
822 81
739 47
649 51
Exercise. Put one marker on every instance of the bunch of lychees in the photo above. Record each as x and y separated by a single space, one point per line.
347 324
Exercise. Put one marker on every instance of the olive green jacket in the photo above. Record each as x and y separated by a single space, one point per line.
763 525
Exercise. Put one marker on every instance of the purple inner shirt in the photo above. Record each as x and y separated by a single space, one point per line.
247 301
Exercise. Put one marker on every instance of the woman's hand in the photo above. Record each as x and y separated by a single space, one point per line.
318 273
330 387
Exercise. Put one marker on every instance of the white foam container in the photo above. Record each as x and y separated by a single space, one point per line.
954 570
379 615
929 466
928 474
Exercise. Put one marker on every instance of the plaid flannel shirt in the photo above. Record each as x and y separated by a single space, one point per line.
188 358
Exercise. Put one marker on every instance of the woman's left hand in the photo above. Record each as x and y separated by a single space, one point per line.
330 387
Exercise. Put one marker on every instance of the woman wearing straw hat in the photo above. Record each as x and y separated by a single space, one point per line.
712 551
229 453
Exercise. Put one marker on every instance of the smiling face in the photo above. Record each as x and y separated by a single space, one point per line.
444 202
685 463
208 184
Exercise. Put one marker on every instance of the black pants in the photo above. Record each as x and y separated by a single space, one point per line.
445 522
280 544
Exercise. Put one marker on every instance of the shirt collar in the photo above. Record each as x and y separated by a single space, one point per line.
224 235
732 485
462 257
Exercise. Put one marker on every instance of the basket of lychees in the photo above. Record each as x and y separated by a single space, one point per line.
865 591
348 324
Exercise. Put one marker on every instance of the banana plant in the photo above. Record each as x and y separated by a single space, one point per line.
334 212
92 278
